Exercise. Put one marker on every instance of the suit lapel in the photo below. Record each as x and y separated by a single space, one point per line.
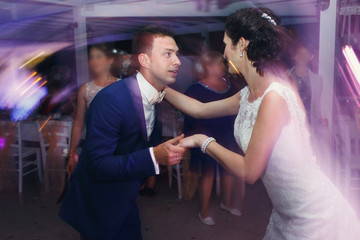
157 131
137 100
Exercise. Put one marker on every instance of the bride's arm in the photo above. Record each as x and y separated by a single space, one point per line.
273 115
197 109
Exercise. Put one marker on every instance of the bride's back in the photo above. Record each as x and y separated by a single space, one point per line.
303 198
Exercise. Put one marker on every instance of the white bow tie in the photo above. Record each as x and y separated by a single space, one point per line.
157 98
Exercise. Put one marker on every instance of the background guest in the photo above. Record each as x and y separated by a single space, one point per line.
124 65
309 84
310 88
100 61
212 86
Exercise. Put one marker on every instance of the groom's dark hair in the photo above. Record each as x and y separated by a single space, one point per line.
143 40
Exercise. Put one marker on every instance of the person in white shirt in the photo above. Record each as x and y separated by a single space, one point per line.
310 88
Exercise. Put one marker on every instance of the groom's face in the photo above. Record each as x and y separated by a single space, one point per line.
164 61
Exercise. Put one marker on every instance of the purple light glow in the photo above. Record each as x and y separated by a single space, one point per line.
353 68
2 142
21 89
347 83
22 98
353 61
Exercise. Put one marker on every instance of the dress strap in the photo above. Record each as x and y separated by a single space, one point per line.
296 110
290 98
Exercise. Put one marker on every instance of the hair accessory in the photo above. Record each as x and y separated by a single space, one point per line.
269 19
206 143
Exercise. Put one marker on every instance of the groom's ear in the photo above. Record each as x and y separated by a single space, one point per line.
144 60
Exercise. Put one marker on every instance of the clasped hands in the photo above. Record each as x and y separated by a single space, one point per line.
171 152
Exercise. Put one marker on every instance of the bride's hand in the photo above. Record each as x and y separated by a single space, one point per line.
194 141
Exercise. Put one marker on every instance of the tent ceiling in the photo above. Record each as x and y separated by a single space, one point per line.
53 20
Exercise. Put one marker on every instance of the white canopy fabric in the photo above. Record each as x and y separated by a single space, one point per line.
55 20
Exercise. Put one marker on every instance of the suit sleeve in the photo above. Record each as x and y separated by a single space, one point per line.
105 121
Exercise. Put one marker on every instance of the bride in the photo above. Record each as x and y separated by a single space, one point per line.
272 131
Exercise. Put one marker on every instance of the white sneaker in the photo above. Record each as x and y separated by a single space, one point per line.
208 221
233 211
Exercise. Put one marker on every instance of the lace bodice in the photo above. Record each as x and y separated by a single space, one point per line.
248 113
306 205
91 90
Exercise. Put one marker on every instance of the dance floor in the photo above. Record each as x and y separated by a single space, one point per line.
34 216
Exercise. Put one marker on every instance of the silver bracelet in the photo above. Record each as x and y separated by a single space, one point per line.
206 143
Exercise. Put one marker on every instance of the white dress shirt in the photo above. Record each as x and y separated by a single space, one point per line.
147 93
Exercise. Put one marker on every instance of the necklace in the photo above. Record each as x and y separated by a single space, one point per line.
107 81
228 86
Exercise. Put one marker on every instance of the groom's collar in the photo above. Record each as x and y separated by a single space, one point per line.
146 89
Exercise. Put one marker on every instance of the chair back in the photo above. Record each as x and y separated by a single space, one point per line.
10 135
55 134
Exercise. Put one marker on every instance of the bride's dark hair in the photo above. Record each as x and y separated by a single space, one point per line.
268 41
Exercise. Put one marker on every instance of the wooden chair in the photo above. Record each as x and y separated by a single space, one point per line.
27 158
175 171
54 137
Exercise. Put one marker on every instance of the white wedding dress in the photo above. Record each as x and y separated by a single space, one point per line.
306 204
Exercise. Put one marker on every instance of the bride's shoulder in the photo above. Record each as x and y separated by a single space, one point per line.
282 87
274 103
281 84
282 93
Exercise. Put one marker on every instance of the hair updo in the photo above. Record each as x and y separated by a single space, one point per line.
268 41
105 48
206 59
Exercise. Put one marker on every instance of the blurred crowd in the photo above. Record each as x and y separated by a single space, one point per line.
209 80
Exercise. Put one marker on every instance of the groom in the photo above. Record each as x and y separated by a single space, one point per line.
117 154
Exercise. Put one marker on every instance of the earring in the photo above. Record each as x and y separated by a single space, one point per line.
241 55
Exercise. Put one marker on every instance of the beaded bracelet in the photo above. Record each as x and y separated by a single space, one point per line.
206 143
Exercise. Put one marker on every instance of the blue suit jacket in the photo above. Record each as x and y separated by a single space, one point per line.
100 201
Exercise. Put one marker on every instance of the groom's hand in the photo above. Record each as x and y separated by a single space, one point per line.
168 153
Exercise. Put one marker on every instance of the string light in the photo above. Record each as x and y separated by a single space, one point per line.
43 125
32 59
28 88
36 89
21 84
232 65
